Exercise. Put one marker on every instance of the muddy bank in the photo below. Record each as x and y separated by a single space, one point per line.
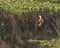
16 30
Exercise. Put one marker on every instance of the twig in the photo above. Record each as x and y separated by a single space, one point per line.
55 29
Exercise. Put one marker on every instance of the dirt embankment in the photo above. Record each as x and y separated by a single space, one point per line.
15 30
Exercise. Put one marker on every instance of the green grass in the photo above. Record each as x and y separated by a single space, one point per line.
27 6
54 43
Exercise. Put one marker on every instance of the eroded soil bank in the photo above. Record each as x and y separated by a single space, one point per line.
15 30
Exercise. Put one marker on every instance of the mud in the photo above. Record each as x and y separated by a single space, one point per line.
15 30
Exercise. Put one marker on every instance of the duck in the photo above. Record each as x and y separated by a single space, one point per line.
40 20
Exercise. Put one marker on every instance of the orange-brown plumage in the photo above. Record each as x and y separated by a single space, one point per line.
40 20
